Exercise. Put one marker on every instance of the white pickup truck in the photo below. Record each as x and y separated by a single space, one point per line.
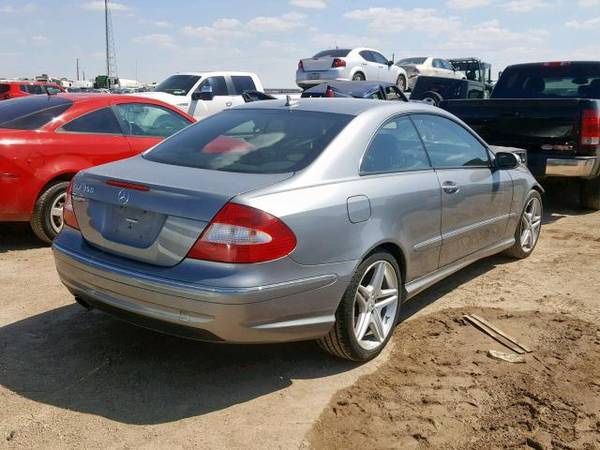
202 94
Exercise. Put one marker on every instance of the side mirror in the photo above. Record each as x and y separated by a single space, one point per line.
205 93
390 63
507 161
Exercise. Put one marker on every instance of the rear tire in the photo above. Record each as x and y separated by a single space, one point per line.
529 227
401 83
432 98
358 311
46 221
358 76
590 194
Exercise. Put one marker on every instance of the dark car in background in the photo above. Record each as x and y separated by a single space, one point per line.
356 89
434 90
550 109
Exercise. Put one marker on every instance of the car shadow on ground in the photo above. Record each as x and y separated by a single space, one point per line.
91 363
18 236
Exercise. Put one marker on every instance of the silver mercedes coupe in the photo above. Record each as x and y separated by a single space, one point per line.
293 220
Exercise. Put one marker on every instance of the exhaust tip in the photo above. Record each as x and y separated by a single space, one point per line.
83 303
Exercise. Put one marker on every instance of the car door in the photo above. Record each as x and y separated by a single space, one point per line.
145 125
476 199
221 98
94 138
369 66
384 71
404 194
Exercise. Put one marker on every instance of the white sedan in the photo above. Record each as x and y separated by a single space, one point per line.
356 64
428 66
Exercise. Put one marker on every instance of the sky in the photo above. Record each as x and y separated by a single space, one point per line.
154 39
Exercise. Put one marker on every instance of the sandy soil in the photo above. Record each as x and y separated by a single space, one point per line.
77 379
440 389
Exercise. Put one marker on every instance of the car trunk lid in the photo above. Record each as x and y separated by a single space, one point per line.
154 212
318 64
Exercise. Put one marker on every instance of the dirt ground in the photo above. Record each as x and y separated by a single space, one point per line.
77 379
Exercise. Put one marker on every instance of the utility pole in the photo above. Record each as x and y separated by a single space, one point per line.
77 64
107 44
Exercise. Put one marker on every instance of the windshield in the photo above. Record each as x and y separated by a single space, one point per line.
252 141
33 112
560 80
335 53
178 84
411 61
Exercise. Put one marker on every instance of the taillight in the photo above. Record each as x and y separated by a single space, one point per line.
590 127
329 92
68 212
300 65
242 234
338 62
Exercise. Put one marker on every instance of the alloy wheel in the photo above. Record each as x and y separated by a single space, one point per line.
375 305
531 223
56 212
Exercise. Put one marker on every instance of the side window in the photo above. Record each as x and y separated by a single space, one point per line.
449 144
102 121
366 55
242 84
218 84
437 64
140 119
379 58
395 148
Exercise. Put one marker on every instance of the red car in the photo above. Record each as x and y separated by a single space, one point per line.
14 89
45 140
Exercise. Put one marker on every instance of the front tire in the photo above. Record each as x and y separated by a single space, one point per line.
401 83
366 316
590 194
358 77
529 228
47 219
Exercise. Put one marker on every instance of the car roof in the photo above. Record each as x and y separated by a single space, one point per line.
349 106
215 72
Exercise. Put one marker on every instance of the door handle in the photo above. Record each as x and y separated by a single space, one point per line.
228 104
450 187
364 64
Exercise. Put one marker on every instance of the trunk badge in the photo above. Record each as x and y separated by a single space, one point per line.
123 197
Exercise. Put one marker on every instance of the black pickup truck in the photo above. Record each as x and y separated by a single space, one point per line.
553 111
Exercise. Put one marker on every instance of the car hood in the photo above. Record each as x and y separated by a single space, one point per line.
177 100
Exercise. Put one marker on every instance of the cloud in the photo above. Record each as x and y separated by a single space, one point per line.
157 39
228 28
588 3
98 5
10 9
584 24
525 5
39 40
393 20
312 4
491 35
467 4
285 22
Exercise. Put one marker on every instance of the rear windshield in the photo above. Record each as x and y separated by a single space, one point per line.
411 61
252 141
335 53
177 84
567 80
31 113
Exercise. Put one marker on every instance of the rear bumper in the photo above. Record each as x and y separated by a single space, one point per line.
304 80
582 167
299 309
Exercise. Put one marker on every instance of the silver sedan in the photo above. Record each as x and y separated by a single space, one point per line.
282 221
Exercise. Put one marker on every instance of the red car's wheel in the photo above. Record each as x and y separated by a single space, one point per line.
47 220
